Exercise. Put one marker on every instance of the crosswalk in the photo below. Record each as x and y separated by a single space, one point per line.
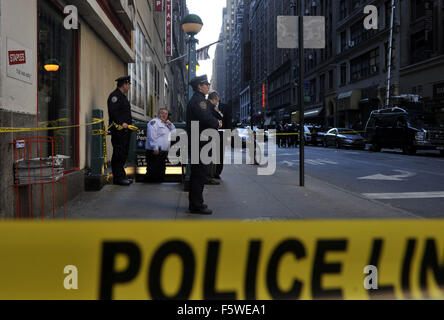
313 162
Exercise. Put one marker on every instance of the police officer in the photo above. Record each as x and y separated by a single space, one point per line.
157 145
119 111
198 111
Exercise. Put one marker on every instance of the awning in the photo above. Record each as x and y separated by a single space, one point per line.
344 95
313 113
349 100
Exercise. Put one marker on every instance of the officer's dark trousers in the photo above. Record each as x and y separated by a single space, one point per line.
197 182
120 141
156 165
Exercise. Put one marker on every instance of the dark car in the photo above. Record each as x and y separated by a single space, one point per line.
342 138
409 128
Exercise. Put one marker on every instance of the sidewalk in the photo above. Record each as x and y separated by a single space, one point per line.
242 195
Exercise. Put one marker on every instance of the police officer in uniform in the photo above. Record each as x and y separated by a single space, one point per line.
157 146
198 110
119 111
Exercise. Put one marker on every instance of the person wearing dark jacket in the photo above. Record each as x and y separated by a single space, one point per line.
213 102
198 111
226 113
119 112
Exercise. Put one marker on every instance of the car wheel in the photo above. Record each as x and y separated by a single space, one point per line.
441 152
409 150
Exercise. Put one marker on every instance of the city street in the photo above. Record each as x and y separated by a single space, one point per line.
340 184
389 176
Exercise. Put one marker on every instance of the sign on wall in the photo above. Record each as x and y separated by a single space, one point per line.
169 29
158 5
19 61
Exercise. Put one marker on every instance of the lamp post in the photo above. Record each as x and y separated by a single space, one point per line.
191 25
301 88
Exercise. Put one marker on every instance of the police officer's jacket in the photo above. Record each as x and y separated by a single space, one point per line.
198 110
119 108
158 135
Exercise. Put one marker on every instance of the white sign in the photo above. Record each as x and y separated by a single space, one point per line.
288 32
19 61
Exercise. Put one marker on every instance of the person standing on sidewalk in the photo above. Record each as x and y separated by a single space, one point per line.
198 111
157 146
213 102
227 124
119 112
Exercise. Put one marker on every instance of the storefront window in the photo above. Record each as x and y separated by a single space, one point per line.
57 86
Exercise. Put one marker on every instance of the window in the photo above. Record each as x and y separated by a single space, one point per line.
330 79
321 87
417 9
139 72
359 34
388 13
343 40
57 91
365 66
342 9
343 74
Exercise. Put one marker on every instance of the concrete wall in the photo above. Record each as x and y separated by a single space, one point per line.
99 67
18 22
18 100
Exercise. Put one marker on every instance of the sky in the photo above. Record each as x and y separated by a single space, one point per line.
210 11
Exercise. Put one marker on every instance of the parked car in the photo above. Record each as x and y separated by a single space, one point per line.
410 129
342 137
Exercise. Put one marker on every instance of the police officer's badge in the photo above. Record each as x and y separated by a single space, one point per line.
203 105
153 122
114 99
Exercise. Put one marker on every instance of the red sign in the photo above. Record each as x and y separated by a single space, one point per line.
158 5
17 57
169 29
263 95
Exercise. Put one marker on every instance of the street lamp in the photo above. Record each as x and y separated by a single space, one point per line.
191 25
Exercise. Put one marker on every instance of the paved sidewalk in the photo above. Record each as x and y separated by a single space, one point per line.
242 195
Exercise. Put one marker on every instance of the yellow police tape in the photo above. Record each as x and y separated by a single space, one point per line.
103 134
15 130
229 260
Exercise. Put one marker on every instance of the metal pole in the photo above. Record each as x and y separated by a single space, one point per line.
191 75
389 73
301 96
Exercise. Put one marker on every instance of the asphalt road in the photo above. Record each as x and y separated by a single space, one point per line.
411 183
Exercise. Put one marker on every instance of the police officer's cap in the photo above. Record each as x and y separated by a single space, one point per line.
123 80
201 80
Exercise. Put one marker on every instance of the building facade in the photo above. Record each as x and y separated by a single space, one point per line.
112 38
347 79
